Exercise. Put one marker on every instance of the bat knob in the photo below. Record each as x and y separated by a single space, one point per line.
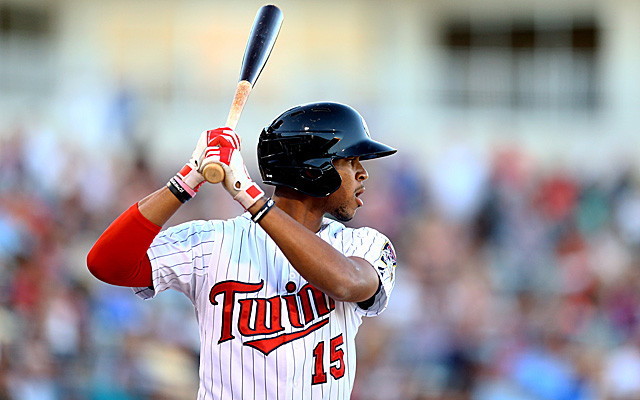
213 173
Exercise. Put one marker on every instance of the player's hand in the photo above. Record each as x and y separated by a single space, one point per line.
186 183
217 137
223 148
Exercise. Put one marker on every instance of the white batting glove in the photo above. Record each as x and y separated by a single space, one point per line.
186 183
223 148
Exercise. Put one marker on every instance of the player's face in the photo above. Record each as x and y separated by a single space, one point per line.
344 202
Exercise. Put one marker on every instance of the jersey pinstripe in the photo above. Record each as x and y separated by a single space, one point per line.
265 333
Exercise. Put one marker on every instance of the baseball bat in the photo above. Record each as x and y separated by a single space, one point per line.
264 33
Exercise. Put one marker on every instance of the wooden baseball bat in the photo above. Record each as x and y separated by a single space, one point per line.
259 45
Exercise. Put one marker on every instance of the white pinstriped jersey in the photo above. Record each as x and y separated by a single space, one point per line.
265 332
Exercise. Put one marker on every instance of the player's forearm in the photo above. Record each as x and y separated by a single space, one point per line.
342 278
159 206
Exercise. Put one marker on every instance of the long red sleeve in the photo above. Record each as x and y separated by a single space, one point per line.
119 256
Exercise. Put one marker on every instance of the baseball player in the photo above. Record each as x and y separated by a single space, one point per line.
279 291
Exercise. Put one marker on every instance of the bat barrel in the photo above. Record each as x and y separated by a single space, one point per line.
263 36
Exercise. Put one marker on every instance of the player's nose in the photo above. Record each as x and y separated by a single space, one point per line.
361 172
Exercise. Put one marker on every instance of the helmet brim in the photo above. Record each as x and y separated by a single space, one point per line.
366 150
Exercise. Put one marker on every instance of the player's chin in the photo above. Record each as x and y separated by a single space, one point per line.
344 214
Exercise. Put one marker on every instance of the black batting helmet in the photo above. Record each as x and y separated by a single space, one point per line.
298 148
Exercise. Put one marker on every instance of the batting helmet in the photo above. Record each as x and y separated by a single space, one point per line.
298 148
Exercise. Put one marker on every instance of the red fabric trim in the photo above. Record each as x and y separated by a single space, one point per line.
225 154
119 256
185 170
253 191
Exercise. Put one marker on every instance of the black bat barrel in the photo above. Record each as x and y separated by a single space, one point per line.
261 40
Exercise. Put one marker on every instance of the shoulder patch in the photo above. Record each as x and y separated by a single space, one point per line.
388 257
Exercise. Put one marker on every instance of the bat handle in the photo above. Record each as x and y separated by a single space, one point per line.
214 173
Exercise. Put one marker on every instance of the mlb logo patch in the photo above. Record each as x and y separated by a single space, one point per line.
388 257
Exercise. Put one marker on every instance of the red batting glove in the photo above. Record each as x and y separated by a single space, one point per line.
223 137
223 148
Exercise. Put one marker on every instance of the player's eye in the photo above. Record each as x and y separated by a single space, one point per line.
350 161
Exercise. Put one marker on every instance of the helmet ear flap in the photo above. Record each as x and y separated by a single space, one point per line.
319 181
318 177
313 173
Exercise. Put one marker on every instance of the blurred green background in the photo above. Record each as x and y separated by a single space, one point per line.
513 202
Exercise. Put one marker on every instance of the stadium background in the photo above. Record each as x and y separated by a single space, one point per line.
514 202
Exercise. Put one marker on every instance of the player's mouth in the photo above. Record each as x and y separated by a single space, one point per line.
357 194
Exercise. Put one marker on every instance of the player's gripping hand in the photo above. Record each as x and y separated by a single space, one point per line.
185 184
223 148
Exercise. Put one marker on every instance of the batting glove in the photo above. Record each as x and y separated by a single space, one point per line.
186 183
223 148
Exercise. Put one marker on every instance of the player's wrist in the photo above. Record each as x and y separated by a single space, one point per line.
191 177
186 183
261 208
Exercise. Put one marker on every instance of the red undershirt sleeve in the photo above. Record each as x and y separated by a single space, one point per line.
119 256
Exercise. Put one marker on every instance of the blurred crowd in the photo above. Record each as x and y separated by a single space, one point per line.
515 280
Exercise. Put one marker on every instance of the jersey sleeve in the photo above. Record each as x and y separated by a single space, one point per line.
374 247
178 257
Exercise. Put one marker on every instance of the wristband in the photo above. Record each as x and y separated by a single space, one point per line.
178 190
263 211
